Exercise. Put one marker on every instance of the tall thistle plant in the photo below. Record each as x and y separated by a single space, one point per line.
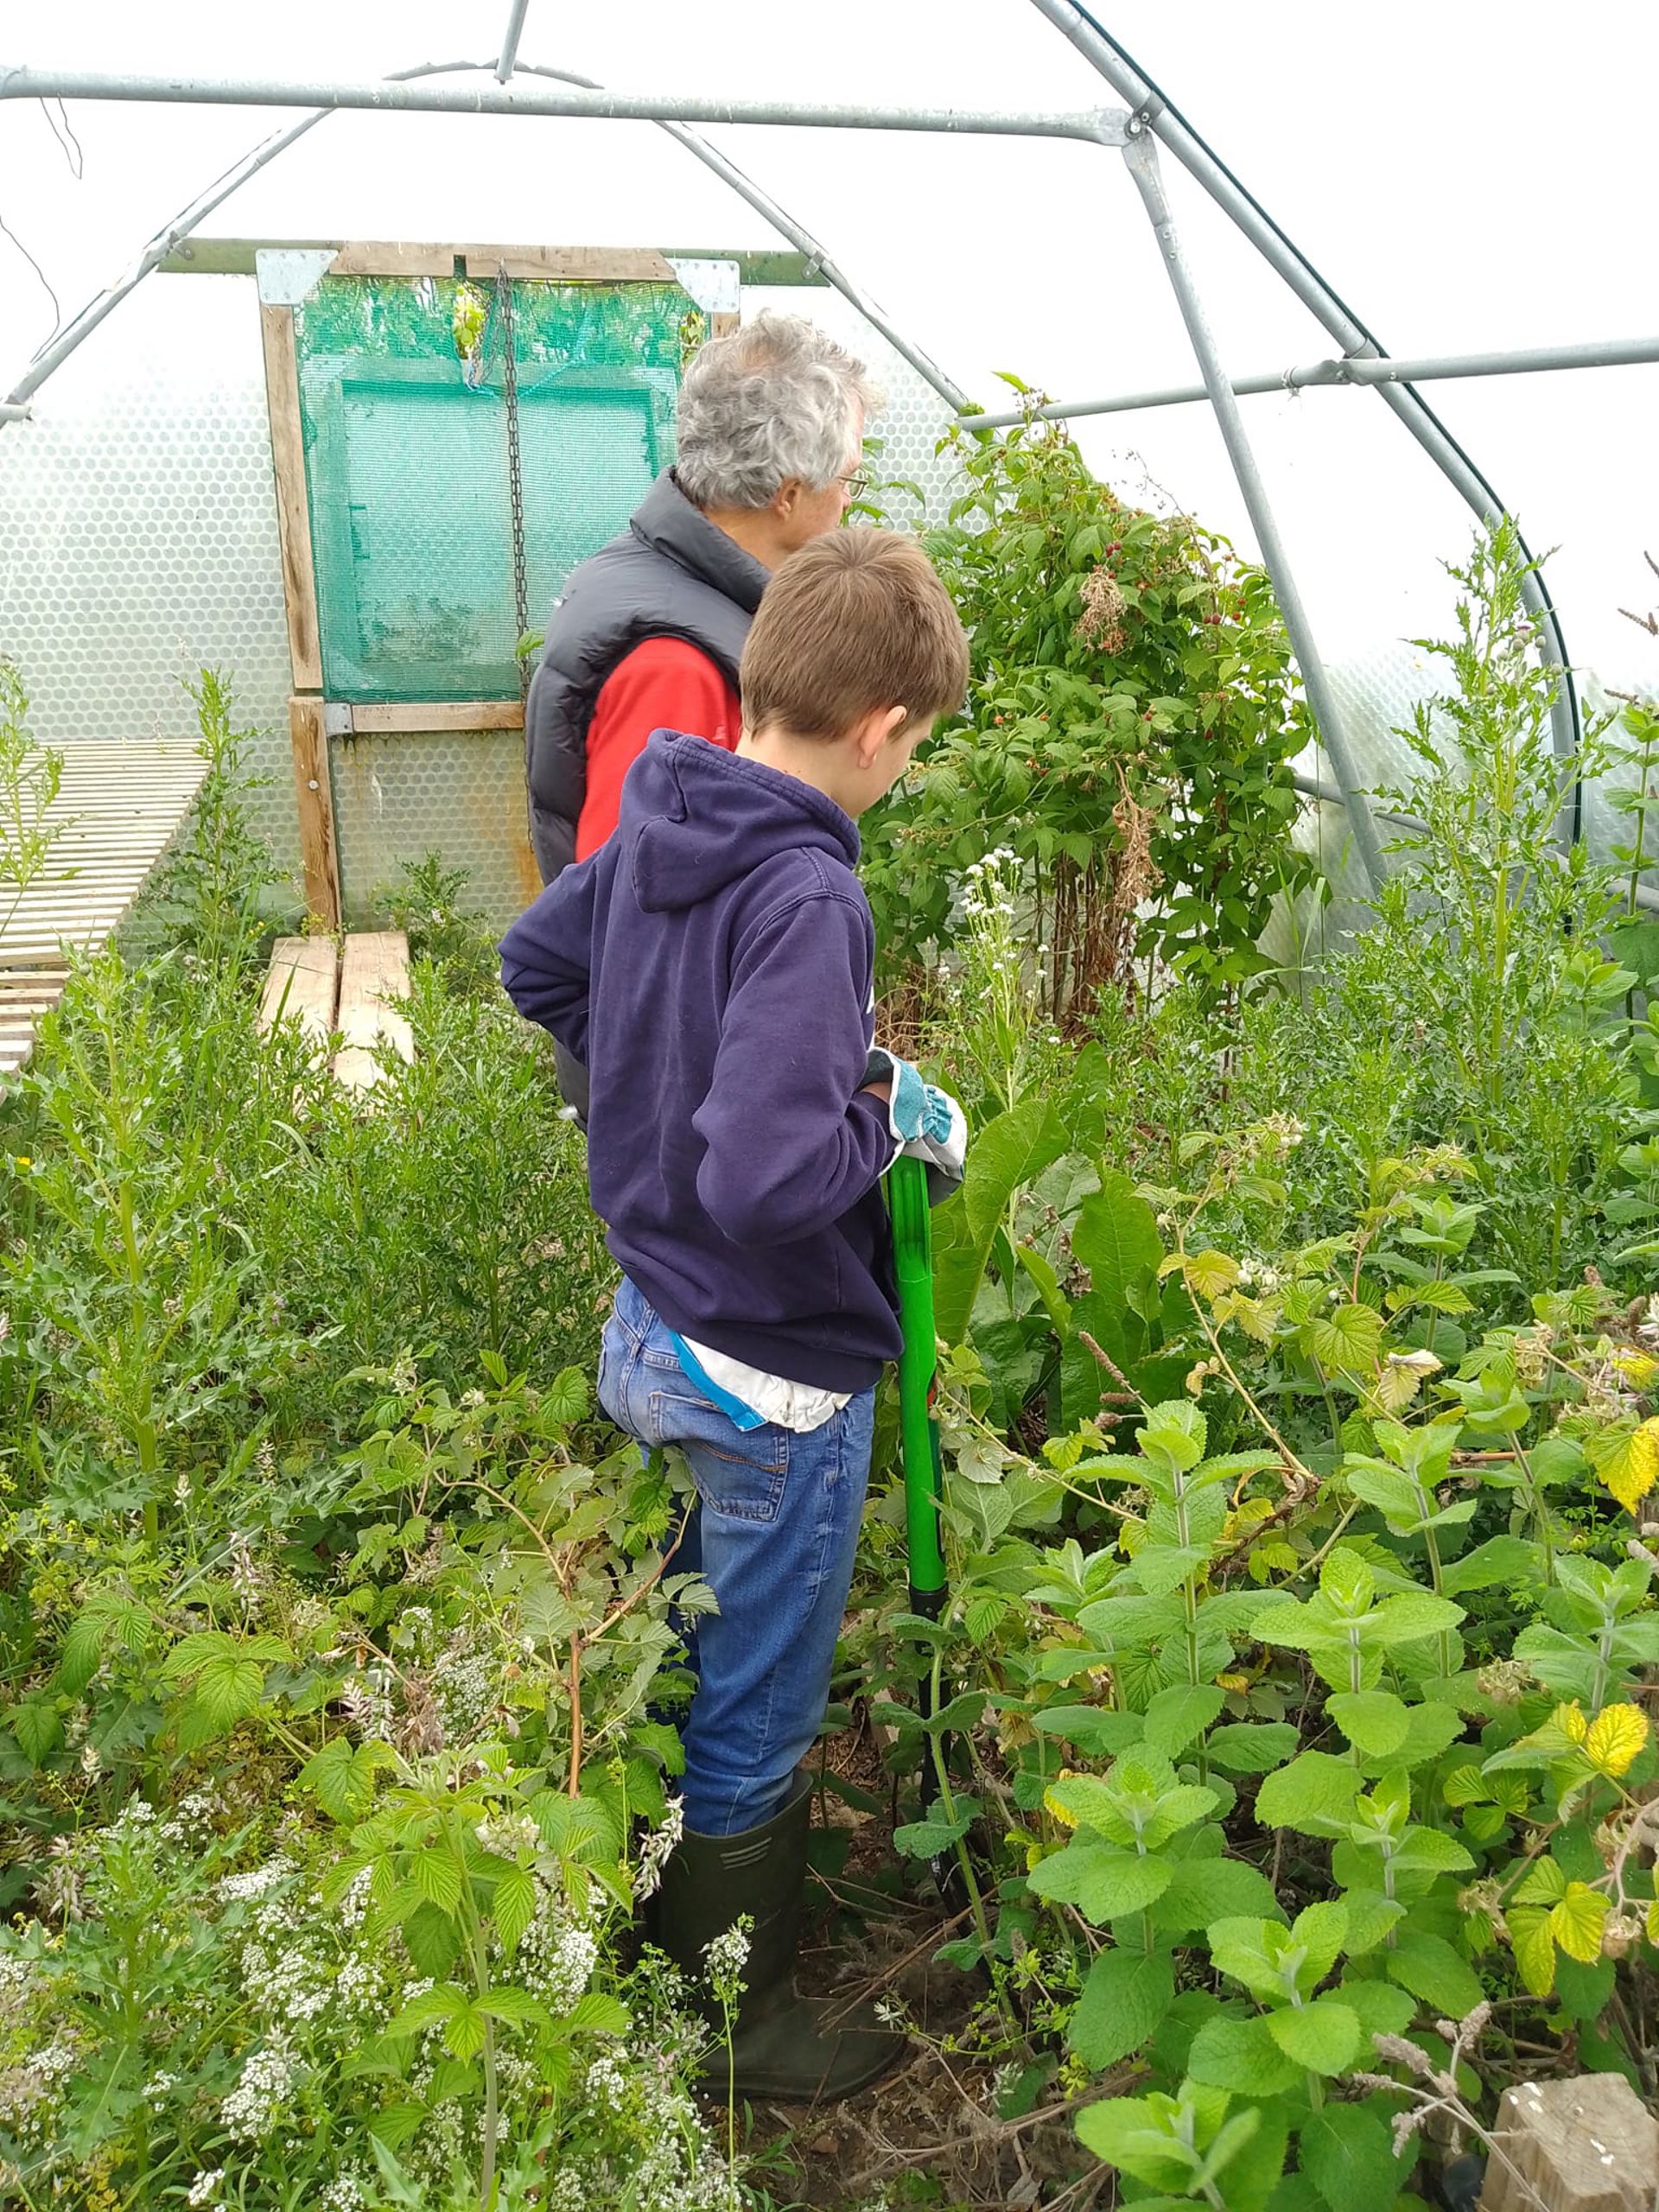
1485 982
31 779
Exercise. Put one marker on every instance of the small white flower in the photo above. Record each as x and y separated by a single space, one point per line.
727 1954
204 2190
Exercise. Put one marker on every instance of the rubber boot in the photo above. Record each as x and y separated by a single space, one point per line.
781 2048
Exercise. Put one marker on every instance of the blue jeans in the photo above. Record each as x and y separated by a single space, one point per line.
773 1533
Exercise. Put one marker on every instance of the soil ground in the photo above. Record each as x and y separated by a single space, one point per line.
929 2134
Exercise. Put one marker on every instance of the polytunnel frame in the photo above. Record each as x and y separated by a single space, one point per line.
1136 132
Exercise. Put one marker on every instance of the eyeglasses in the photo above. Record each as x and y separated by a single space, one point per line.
857 483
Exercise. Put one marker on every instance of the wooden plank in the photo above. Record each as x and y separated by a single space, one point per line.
400 717
218 256
373 980
303 985
318 852
293 501
570 264
383 258
1586 2145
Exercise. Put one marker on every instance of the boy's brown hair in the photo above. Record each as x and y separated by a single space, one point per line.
856 620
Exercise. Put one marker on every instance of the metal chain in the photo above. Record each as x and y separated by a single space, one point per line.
515 474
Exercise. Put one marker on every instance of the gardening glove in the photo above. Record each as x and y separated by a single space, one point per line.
925 1122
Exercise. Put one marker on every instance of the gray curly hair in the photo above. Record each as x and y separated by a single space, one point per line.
776 400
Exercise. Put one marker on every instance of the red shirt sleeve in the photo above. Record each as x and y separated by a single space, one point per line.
663 684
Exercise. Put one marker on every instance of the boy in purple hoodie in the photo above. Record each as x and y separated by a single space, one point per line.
713 966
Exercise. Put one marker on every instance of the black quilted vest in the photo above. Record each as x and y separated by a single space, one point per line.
671 574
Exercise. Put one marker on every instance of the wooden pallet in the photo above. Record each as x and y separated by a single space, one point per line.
119 807
352 994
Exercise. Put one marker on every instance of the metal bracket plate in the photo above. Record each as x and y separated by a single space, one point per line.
713 285
286 276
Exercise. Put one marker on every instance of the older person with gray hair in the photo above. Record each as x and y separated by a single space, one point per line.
647 634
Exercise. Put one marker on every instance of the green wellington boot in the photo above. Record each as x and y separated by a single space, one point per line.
779 2046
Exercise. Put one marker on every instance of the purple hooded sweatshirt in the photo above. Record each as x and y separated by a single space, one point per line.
713 966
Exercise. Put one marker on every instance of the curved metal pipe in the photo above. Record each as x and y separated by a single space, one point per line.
1109 61
52 357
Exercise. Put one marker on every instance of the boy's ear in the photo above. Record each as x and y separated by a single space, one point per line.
873 731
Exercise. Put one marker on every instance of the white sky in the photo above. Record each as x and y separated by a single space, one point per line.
1468 174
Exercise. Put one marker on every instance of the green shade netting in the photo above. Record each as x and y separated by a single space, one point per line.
406 413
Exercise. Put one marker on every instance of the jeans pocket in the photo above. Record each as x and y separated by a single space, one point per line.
613 1351
738 1471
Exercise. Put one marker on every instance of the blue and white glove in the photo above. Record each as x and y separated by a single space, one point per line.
925 1122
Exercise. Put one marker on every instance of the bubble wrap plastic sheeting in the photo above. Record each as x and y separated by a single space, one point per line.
138 533
138 542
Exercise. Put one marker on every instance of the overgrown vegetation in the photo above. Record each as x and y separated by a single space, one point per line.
1289 1727
1128 735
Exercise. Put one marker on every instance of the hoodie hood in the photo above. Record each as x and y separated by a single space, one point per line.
696 819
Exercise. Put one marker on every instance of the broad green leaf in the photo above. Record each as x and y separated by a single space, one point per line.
1116 1237
507 2002
1347 1582
1347 2152
1096 1728
1207 1890
1432 1851
1040 1268
427 2009
1371 1916
1430 1728
1251 1951
1007 1154
1431 1968
1379 2007
464 2029
1576 1922
1345 1341
1411 1616
512 1906
1125 1996
1373 1721
927 1838
596 2014
434 1873
1240 2055
1508 1560
229 1688
432 1939
1250 1746
80 1652
1314 1794
1320 1933
342 1778
1209 1274
1464 1786
1137 2135
37 1728
1543 1884
1177 1718
1323 2037
1534 1947
1100 1881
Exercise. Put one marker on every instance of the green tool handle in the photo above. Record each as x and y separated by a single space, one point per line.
912 1255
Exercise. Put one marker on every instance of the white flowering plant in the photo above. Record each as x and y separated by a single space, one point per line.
188 2018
